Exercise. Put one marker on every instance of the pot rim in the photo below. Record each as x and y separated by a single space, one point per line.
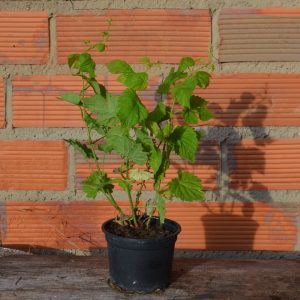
172 235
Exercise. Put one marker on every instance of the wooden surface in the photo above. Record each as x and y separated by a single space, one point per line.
69 277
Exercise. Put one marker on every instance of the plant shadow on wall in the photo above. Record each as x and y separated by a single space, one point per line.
231 225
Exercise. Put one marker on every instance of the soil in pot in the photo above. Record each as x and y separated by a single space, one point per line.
154 231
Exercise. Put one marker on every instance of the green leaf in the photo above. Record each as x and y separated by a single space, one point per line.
205 114
87 64
131 110
185 142
200 105
155 130
122 183
106 148
94 104
185 63
97 182
73 61
202 79
91 186
155 159
197 102
127 148
82 148
143 137
108 112
100 47
190 115
186 187
161 207
167 130
71 98
97 87
105 108
164 87
183 91
160 113
119 66
93 124
135 81
137 154
139 175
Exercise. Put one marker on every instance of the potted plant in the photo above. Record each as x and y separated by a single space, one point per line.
141 241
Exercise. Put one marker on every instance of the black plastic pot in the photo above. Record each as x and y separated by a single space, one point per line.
141 265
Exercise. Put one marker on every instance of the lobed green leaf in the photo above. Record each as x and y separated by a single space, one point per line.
183 91
97 182
131 110
186 187
119 66
203 79
71 98
190 115
82 148
100 47
160 113
185 142
135 81
185 63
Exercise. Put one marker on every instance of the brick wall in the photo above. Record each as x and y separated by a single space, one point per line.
249 161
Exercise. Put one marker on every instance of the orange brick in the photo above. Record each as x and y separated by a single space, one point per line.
161 34
255 34
33 165
250 99
247 99
265 165
253 99
2 104
210 226
206 166
24 37
36 103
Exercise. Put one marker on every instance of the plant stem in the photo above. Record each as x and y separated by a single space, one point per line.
91 144
132 208
109 196
133 212
138 195
112 200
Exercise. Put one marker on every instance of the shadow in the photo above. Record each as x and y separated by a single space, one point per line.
231 224
227 230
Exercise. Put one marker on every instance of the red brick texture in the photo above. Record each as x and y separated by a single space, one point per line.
24 37
265 165
240 95
158 33
246 99
36 100
33 165
268 34
211 226
2 104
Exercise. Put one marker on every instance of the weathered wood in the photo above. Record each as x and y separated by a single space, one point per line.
70 277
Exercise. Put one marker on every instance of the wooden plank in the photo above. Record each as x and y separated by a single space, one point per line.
71 277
